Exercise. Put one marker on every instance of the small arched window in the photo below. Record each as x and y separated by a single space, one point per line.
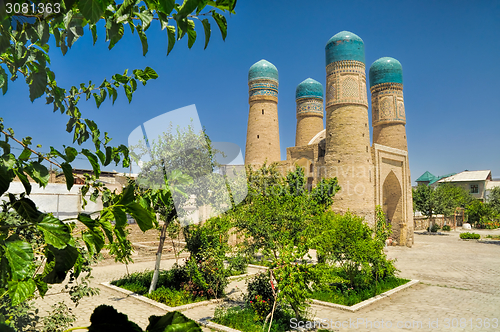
262 111
311 168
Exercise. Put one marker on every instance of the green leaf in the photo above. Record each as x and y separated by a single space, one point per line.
120 78
20 291
94 240
41 285
142 216
39 173
55 232
71 154
128 92
25 155
68 173
149 74
106 318
93 161
24 180
6 172
107 227
37 84
221 23
120 217
93 29
127 195
91 9
59 262
166 6
19 253
172 321
171 38
4 80
187 7
115 33
26 209
208 31
85 219
144 40
6 328
191 33
146 18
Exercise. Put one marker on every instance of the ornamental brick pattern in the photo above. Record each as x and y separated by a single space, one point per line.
263 141
348 154
309 119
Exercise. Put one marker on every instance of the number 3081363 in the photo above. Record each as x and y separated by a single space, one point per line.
32 8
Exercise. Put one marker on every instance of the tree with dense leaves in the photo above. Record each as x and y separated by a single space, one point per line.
26 29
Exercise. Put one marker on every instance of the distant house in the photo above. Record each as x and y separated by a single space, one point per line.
430 179
476 182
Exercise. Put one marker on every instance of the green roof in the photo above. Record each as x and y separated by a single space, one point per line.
441 177
427 177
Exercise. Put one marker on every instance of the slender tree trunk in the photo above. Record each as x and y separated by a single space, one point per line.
152 287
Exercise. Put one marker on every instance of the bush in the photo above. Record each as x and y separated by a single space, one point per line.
237 264
446 228
348 241
173 297
469 236
435 228
260 285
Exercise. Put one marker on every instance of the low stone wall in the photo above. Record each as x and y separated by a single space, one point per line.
422 223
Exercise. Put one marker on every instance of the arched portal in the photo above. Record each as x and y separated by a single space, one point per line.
393 201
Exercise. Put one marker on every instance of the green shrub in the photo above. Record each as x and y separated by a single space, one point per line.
237 265
435 228
469 236
346 240
341 293
245 319
259 285
173 297
446 228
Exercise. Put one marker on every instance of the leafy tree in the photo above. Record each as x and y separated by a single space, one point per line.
449 197
479 212
494 200
424 199
24 51
273 220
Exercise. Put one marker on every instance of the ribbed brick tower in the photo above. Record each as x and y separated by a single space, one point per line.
348 155
388 108
309 98
263 140
388 121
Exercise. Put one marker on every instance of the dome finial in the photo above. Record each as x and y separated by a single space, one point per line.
345 45
263 69
386 70
309 88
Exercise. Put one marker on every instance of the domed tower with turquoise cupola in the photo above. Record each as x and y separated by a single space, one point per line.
393 183
348 154
388 107
263 141
309 99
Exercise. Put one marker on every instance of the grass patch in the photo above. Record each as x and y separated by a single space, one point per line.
493 237
341 294
168 290
245 319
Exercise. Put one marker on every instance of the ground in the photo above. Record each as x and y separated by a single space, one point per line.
458 280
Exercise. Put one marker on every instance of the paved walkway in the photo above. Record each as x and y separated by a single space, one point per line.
459 286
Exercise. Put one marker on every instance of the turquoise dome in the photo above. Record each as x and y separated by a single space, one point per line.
386 70
309 88
263 70
345 45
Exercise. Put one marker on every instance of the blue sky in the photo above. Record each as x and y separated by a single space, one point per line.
449 51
